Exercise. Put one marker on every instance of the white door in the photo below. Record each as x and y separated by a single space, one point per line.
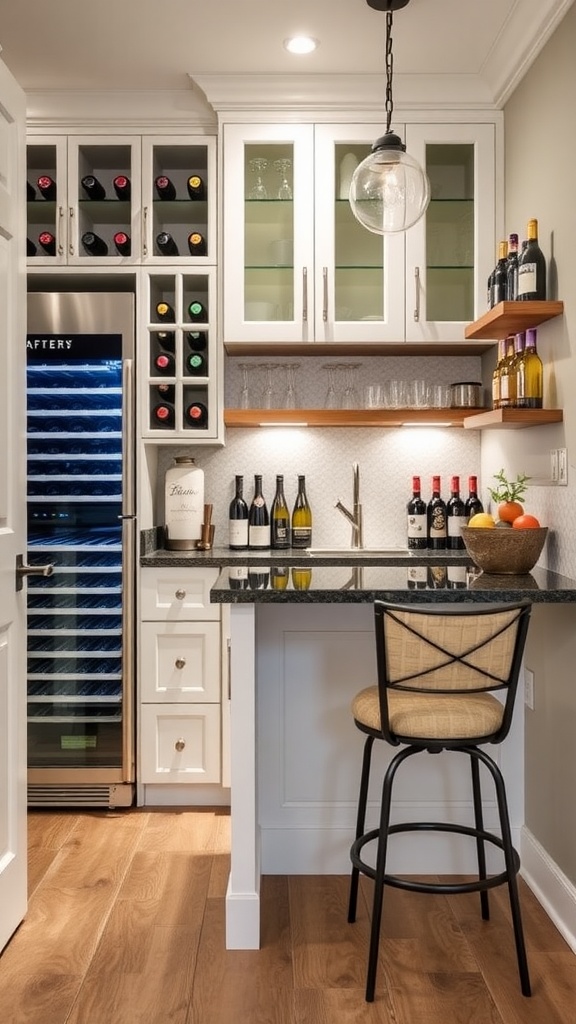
12 507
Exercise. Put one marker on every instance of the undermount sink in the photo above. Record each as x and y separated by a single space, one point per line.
356 552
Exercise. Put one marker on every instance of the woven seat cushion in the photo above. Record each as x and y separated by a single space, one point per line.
431 716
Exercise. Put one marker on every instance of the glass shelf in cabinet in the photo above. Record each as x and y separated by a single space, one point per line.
178 204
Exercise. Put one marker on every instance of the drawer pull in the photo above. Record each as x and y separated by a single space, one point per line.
180 662
180 744
180 595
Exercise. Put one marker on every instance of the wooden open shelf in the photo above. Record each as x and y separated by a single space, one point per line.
510 317
346 417
512 419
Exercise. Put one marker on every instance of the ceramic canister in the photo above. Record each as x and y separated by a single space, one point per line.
184 503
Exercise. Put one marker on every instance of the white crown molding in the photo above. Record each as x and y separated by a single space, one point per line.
100 110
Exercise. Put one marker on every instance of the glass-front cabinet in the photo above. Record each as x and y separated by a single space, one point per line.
297 265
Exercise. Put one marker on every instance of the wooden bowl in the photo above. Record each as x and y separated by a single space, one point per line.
504 551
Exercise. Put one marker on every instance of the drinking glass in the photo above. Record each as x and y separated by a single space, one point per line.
258 165
331 400
350 397
282 166
244 400
268 400
290 398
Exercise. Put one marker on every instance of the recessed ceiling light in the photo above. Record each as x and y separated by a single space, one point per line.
301 44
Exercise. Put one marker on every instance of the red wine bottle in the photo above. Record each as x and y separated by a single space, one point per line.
165 363
94 245
30 193
197 311
93 188
46 186
164 187
122 186
196 187
165 312
472 505
196 364
455 517
198 340
416 509
197 244
48 242
123 243
196 415
512 269
499 277
238 519
166 244
532 267
258 518
163 415
31 249
436 518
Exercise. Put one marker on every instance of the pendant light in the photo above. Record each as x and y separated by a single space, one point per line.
389 190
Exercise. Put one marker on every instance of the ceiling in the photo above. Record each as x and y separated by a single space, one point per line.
147 45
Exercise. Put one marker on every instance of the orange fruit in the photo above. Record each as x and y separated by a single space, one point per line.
509 511
526 522
483 519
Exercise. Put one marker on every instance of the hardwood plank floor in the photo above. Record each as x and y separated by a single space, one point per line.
126 926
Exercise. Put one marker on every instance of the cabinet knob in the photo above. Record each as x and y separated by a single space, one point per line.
180 744
180 595
180 662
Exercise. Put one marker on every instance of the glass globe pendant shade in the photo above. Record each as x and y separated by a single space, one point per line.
389 190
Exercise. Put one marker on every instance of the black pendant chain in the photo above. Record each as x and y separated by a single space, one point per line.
389 69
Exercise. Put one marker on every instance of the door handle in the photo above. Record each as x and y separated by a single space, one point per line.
23 570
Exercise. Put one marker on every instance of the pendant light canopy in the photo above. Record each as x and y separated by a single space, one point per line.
389 190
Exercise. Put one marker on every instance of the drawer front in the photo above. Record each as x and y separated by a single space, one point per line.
180 662
178 594
180 743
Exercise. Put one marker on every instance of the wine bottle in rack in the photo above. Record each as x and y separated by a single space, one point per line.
166 244
167 339
197 340
197 244
30 193
196 415
280 518
301 518
165 364
197 311
31 249
46 186
258 518
93 188
164 187
122 186
455 517
416 509
94 245
196 364
165 312
238 518
163 414
436 518
48 242
196 187
123 243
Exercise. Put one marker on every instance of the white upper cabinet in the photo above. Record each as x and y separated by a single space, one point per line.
298 267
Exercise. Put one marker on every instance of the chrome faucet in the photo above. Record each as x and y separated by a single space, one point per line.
354 517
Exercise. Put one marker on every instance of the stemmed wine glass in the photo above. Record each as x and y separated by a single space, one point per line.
290 399
268 393
282 166
244 401
350 396
331 400
258 165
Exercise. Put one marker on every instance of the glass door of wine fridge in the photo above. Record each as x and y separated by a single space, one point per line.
81 521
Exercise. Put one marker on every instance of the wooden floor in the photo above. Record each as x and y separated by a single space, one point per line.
126 926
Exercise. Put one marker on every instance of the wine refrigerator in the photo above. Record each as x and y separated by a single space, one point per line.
81 530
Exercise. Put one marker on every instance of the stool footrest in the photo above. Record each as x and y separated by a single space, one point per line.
440 888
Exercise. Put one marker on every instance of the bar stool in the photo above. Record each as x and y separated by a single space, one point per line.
437 671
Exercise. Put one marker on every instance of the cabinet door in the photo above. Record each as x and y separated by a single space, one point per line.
175 209
359 280
450 252
178 594
47 210
104 159
180 662
268 233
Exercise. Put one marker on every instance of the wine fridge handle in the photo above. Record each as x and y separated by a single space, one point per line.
305 294
23 570
128 496
325 293
144 231
417 296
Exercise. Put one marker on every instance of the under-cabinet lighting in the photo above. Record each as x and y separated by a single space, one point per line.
278 423
433 423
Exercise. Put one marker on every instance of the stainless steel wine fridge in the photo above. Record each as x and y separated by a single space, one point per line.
81 523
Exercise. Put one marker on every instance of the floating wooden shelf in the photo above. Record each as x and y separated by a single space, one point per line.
346 417
512 419
510 317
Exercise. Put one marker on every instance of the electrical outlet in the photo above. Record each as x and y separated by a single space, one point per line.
554 465
529 688
562 466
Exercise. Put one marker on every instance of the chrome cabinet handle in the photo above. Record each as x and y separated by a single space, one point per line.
180 595
71 242
325 293
305 293
144 230
180 744
23 570
180 662
60 218
417 300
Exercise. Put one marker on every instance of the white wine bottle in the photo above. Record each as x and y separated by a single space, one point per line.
529 375
301 518
280 518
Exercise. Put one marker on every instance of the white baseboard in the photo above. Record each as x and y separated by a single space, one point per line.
550 886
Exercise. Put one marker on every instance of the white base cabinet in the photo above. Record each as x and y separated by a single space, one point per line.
180 681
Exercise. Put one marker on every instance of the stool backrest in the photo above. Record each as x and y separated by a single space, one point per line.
432 650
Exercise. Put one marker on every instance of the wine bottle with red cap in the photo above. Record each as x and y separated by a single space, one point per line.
196 415
46 186
164 187
165 364
123 243
163 415
48 242
122 186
